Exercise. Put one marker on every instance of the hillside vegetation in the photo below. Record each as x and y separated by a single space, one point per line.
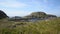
51 26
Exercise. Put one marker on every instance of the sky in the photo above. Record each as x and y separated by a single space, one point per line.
26 7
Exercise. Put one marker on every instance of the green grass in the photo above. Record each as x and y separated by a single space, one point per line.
51 26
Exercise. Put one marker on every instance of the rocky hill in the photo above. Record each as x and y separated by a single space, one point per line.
40 15
2 15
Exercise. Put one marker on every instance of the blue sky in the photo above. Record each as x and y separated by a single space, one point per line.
25 7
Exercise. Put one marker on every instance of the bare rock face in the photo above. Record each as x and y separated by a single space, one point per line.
2 15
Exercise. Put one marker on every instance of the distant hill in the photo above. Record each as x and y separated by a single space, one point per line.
34 16
39 15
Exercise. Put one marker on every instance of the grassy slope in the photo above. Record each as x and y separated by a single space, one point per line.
41 27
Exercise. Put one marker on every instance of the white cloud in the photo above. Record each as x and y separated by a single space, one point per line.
12 3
